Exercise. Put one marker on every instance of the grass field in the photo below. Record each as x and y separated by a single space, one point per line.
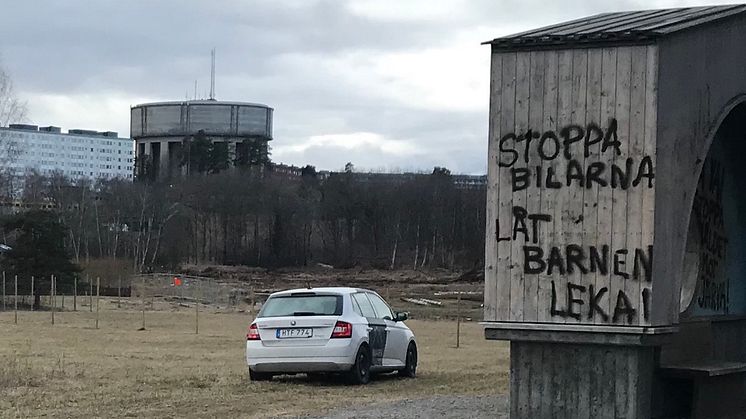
70 369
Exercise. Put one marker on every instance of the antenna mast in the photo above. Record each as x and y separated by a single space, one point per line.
212 76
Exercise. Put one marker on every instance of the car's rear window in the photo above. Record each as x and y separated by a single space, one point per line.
302 305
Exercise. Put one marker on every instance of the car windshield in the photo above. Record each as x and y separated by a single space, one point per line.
307 304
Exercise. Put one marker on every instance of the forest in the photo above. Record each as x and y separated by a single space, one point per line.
255 217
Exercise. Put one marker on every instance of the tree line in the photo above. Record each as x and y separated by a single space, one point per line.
257 218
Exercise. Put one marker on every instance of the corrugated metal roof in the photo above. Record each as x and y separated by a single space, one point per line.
617 28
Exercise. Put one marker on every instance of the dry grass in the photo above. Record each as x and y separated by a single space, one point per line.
72 370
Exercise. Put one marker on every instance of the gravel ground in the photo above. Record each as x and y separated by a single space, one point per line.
455 407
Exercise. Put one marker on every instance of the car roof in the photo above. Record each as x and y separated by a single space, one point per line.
329 290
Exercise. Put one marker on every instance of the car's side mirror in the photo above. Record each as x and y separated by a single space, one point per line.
401 316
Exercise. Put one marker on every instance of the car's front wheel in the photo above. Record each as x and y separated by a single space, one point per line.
360 372
259 376
410 368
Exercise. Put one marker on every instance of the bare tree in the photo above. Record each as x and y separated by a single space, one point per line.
12 109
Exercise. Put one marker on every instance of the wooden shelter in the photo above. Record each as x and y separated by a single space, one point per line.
616 214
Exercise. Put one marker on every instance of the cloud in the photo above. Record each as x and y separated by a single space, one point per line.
381 83
352 141
369 151
101 112
411 10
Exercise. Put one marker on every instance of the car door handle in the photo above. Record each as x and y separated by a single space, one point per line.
369 328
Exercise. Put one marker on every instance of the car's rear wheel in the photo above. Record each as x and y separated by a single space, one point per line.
259 376
360 372
410 368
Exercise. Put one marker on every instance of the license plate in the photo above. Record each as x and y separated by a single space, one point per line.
294 333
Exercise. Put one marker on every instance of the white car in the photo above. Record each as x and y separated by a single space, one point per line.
329 330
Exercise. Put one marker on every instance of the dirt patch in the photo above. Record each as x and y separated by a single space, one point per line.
398 287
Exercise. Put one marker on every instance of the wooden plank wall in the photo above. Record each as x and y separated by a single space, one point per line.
565 244
580 381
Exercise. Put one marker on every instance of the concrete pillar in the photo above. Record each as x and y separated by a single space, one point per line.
164 159
159 155
141 152
152 157
232 151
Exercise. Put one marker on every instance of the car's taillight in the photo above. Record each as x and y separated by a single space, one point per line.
253 333
342 330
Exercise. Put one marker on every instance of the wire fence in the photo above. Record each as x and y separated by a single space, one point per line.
46 293
43 294
183 290
144 293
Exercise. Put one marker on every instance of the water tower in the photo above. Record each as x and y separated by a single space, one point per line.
160 129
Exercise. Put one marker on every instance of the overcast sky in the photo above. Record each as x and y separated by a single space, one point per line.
385 84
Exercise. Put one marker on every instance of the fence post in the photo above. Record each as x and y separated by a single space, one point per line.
90 293
196 313
3 290
98 297
142 297
75 293
119 292
15 299
458 320
33 296
51 291
253 300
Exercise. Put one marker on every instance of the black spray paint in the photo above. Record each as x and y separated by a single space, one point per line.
576 144
550 146
707 209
